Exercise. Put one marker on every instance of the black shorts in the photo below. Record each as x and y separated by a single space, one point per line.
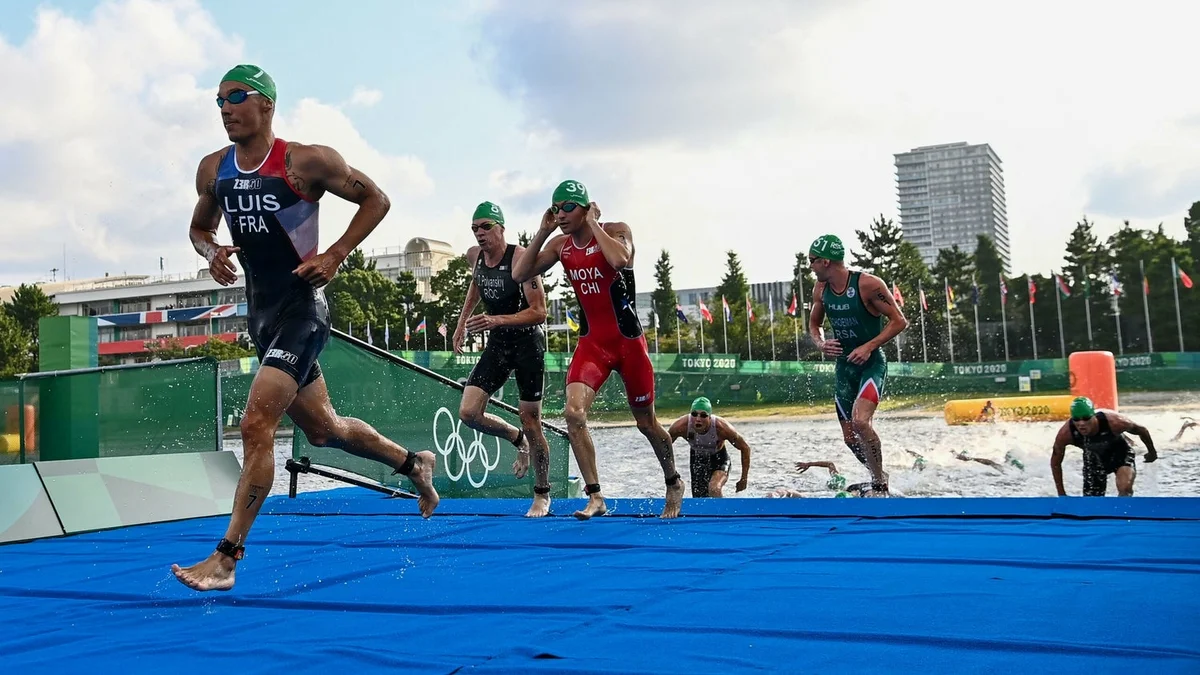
292 344
522 350
703 465
1097 467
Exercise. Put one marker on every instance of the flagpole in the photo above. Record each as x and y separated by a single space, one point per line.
800 306
1062 338
701 322
921 306
749 349
1032 321
425 320
1004 313
1146 307
1116 303
657 328
1087 304
1178 320
796 330
771 316
949 328
725 322
678 340
975 303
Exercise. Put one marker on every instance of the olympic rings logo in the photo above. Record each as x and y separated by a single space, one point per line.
467 453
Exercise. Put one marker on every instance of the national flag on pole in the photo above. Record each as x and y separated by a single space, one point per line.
1145 285
1032 291
1115 284
1063 289
924 305
705 313
1183 277
771 307
750 309
728 312
406 333
369 340
1003 291
442 329
679 313
571 322
792 308
896 295
420 327
949 293
387 336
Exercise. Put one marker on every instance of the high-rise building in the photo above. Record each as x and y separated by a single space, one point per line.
950 194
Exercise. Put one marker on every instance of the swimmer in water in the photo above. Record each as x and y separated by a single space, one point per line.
1188 423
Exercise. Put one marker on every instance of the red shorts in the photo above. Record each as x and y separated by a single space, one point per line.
593 361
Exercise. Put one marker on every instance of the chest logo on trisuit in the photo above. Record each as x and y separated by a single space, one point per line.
246 214
850 293
247 183
588 278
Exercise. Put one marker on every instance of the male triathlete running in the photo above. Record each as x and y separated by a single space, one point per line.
267 190
855 303
514 318
598 260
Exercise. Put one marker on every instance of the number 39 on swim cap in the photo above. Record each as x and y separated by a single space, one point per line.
571 191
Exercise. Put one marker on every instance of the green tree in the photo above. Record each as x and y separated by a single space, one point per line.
803 283
215 347
663 297
1089 292
734 289
881 249
913 277
988 267
1191 224
27 306
954 267
15 357
450 286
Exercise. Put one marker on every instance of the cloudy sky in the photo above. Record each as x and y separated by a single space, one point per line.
704 127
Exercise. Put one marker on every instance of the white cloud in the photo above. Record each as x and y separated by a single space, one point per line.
365 97
1068 94
99 151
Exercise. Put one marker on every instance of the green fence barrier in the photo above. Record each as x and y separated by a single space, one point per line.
116 411
418 409
681 377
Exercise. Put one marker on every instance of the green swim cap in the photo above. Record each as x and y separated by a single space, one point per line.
829 247
489 211
1082 408
253 77
571 191
703 404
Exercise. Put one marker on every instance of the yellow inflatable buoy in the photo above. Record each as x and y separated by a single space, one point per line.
1008 409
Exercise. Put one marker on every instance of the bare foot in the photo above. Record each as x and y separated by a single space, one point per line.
674 500
595 507
521 465
422 480
540 506
214 573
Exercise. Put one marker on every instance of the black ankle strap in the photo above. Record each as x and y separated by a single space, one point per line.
541 490
879 487
407 467
520 437
672 480
591 488
236 552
